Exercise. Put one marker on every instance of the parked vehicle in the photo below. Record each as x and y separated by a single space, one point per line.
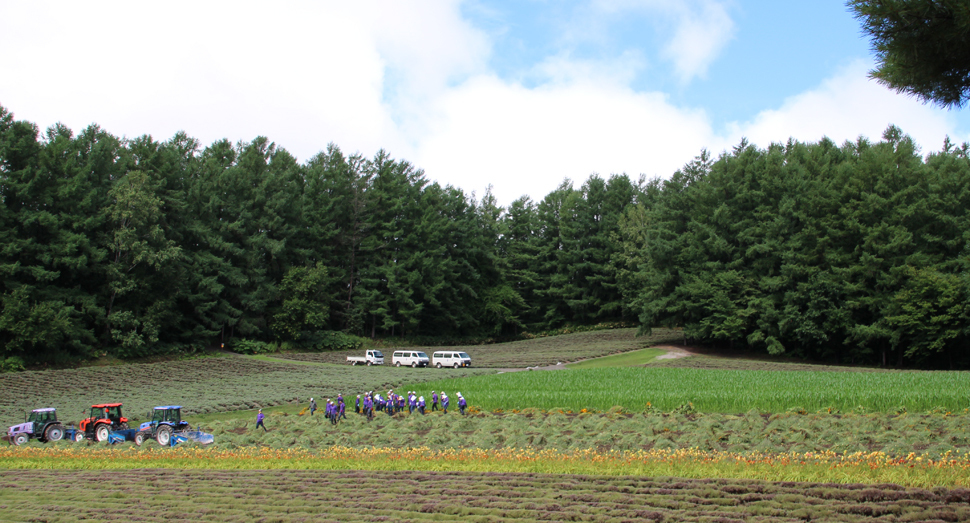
41 424
413 358
373 357
451 359
104 419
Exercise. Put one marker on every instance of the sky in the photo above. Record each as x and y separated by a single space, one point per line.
517 95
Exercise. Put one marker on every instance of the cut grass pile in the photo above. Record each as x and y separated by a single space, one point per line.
932 436
729 391
296 495
536 352
626 359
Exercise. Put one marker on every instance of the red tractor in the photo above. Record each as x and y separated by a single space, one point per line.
104 419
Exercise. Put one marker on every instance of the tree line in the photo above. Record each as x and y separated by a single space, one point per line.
137 247
851 254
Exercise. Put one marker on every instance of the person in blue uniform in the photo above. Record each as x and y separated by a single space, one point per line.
462 404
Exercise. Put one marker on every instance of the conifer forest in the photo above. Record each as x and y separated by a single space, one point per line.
854 254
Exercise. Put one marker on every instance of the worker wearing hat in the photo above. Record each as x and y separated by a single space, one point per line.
434 401
461 404
444 402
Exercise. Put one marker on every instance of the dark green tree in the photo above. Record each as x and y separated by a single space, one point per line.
921 46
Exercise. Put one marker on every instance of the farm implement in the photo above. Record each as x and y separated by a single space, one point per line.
166 427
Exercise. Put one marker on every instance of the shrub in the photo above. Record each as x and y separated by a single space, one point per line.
330 341
251 347
11 364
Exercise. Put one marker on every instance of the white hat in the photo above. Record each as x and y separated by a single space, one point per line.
311 399
421 398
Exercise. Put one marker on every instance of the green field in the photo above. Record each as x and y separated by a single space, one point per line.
728 391
626 359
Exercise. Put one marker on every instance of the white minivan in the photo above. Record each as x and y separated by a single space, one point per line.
452 359
413 358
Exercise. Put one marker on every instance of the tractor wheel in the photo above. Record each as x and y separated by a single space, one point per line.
139 438
123 426
20 439
54 433
439 364
163 435
101 432
78 436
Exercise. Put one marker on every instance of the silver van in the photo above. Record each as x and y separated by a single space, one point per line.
447 358
414 358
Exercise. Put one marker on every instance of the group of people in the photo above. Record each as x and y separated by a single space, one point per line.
394 403
335 409
369 402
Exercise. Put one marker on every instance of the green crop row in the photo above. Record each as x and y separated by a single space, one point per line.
713 390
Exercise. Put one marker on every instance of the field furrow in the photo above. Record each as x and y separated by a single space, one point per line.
292 495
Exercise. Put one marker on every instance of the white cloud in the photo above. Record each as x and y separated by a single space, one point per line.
702 31
526 141
844 107
697 30
302 73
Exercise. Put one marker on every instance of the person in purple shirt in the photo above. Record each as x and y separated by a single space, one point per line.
400 403
357 406
341 408
368 407
434 401
461 404
444 402
421 405
259 420
412 402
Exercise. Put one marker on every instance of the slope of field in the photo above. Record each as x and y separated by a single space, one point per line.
626 359
529 353
730 391
297 496
200 385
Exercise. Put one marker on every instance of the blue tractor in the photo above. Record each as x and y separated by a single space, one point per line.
166 422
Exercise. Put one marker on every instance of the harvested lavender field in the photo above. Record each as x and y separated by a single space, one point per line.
293 495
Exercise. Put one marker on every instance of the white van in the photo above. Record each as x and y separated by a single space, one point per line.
413 358
452 359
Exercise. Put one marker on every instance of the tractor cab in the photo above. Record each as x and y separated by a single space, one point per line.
42 416
104 418
166 415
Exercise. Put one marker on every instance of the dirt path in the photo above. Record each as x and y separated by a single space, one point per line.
673 352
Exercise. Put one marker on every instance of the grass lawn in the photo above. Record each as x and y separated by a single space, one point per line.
626 359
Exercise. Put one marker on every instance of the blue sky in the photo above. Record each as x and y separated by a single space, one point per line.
519 95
